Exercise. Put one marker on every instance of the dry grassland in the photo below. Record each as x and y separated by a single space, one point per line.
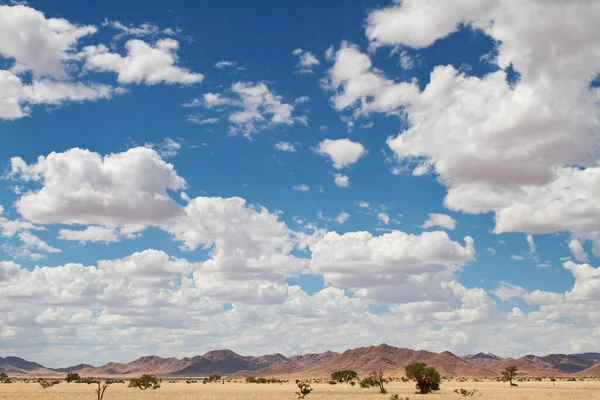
587 390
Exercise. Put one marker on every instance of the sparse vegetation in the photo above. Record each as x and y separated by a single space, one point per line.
428 379
145 382
304 389
250 379
509 373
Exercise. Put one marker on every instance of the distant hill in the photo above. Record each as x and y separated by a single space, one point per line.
482 359
363 360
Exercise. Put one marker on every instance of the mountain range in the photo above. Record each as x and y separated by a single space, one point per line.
364 360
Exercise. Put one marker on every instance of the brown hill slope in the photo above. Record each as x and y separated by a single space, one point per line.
560 362
308 360
593 371
524 366
449 364
484 360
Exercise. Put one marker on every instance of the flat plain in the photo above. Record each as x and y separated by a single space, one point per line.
564 390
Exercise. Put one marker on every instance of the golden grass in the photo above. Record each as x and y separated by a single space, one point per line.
588 390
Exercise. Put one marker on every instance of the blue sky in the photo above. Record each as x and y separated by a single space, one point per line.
214 162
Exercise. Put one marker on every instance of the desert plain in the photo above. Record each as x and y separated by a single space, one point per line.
588 389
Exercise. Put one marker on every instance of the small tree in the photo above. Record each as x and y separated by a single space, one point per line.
102 388
145 382
509 373
250 379
303 389
72 377
428 379
379 380
344 376
4 378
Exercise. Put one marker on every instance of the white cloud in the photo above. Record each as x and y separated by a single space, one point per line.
144 29
394 266
285 146
342 217
92 234
167 148
501 147
440 220
306 61
225 64
82 187
517 257
531 244
32 241
383 217
201 121
256 107
144 63
341 180
343 152
577 250
300 188
301 100
362 204
16 97
36 43
353 80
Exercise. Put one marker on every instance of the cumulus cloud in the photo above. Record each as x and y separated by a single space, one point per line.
36 43
300 188
341 180
144 63
82 187
92 234
440 220
501 146
306 61
391 266
342 152
383 217
355 81
285 146
342 217
577 250
254 107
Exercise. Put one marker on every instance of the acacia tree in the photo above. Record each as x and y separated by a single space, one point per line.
101 389
379 380
304 389
4 378
72 377
428 379
344 376
145 382
509 373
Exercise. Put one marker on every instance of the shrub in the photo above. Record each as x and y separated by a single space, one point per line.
304 389
46 384
261 380
4 378
145 382
333 382
465 392
428 379
250 379
352 383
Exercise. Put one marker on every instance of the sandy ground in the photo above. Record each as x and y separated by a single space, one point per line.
588 390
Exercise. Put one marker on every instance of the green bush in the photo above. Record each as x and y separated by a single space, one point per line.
145 382
428 379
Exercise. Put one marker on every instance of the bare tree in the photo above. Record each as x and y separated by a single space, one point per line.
379 380
509 373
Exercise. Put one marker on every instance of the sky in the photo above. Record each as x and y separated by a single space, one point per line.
297 177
